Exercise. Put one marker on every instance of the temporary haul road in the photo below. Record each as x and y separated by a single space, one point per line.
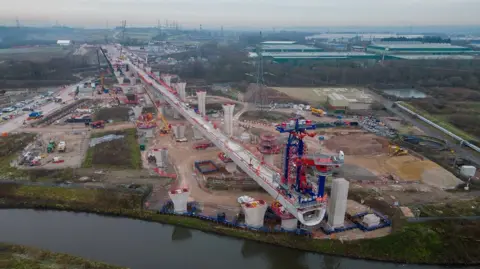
309 215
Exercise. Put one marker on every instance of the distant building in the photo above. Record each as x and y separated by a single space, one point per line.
337 103
289 48
358 48
349 37
278 42
64 42
395 48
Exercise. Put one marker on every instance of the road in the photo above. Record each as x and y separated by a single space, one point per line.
47 109
427 129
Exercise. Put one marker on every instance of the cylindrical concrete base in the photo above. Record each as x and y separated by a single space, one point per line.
180 201
231 167
289 224
254 216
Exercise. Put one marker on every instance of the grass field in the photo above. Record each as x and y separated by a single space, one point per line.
438 120
35 54
120 153
15 256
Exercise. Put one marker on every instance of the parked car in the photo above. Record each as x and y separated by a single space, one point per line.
8 109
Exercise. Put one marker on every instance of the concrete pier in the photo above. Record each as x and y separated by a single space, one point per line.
179 198
289 224
337 205
254 213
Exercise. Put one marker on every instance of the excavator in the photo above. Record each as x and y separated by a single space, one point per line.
166 127
397 151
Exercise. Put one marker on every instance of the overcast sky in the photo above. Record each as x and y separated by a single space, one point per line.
249 13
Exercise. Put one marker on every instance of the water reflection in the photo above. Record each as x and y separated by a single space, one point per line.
181 234
331 262
277 257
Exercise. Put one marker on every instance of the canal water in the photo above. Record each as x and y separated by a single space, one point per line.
406 93
144 245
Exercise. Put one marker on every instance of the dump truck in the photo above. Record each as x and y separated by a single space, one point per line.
51 146
62 146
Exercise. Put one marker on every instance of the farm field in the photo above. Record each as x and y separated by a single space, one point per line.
35 54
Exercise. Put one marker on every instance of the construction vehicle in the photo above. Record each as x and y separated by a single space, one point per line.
98 124
203 145
317 112
51 146
35 115
397 151
62 146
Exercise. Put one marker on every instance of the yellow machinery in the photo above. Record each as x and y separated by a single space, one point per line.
166 126
317 112
397 151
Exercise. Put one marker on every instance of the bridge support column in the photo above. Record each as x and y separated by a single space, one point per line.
176 115
254 213
196 133
120 80
289 224
231 167
338 203
179 198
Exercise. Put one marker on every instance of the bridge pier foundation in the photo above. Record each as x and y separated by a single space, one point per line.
196 133
289 224
254 213
179 198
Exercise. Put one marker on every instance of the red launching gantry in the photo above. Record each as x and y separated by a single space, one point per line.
296 159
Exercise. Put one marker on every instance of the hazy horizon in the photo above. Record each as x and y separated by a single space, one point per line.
243 13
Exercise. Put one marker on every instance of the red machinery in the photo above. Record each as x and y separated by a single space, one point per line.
222 156
203 145
97 124
268 144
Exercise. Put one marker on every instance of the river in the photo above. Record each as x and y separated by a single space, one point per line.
144 245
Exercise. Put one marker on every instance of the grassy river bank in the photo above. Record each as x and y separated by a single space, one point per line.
435 242
15 256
